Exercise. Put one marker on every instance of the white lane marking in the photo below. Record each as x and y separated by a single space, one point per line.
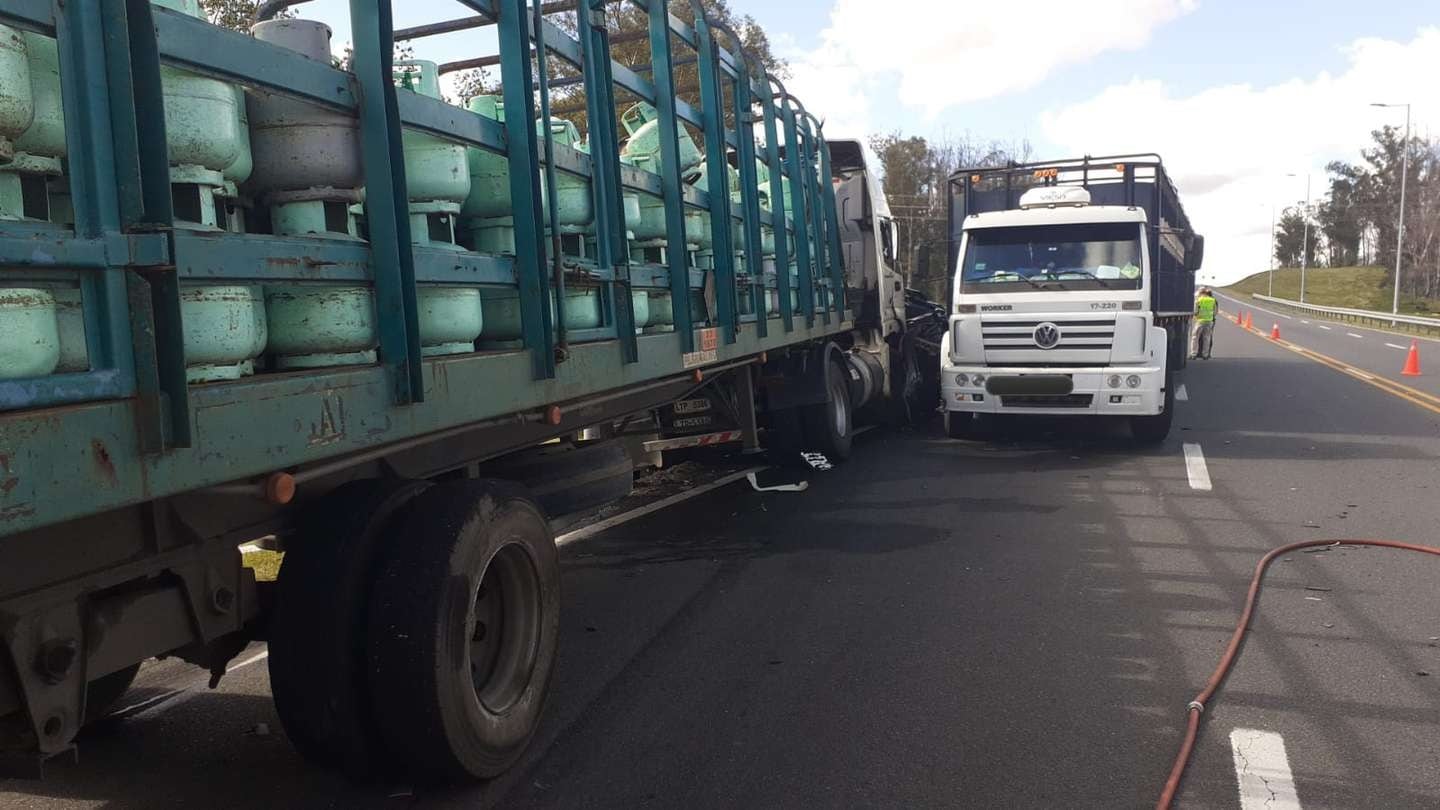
163 702
1181 394
256 658
1195 467
1263 771
1376 330
625 517
1323 326
1393 346
1357 337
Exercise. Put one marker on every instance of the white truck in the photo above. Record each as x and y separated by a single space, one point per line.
1072 289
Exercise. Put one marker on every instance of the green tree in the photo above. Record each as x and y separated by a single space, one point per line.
1290 233
237 15
917 174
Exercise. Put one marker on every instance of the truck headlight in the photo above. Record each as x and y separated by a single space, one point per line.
1133 381
1113 381
961 379
978 379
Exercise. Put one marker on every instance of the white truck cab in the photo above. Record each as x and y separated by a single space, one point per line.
1055 311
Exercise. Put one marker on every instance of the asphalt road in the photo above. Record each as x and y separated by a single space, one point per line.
1016 622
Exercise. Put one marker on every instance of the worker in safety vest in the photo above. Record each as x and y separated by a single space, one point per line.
1205 307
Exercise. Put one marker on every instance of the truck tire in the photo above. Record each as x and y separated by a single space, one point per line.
317 634
464 621
1154 429
105 691
565 479
829 425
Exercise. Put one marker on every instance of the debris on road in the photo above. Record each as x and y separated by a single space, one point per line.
1317 588
775 480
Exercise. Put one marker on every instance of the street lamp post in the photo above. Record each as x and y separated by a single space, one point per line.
1400 227
1272 251
1304 237
1305 240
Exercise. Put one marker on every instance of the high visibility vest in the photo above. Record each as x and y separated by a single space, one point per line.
1205 309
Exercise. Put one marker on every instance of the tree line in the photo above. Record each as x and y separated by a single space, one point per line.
916 173
1356 221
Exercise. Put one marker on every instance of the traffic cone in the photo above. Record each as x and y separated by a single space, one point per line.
1239 318
1275 332
1412 362
1249 320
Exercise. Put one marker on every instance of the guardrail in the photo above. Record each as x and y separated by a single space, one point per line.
1415 321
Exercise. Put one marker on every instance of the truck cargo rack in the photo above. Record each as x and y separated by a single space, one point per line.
132 429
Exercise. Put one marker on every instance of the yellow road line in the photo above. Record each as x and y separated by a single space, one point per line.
1429 402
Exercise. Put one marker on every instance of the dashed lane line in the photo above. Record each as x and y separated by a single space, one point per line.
1195 468
1376 330
1393 346
1181 395
1263 771
1429 402
1357 337
1323 326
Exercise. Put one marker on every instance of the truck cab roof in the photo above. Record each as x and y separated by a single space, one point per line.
1059 215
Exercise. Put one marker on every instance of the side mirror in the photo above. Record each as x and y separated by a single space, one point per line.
1195 256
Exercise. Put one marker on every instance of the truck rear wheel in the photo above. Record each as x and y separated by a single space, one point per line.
317 636
464 622
1154 429
830 425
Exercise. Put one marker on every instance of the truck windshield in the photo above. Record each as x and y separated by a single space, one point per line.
1083 256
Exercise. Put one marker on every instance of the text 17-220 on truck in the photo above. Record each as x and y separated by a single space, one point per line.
1073 287
250 294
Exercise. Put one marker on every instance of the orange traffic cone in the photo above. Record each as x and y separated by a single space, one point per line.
1412 361
1239 318
1249 320
1275 332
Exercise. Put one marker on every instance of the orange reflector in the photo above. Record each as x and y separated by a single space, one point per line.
1120 167
280 488
699 375
552 415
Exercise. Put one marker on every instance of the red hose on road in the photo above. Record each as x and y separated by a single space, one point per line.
1197 706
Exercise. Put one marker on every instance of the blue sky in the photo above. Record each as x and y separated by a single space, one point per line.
1235 94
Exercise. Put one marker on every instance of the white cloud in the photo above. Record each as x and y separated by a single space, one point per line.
1230 147
934 54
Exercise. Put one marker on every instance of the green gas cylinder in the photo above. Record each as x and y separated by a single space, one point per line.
574 204
17 103
437 181
642 149
29 338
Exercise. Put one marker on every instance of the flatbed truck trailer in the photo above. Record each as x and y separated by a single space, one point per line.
249 293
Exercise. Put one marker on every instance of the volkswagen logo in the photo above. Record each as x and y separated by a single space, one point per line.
1047 335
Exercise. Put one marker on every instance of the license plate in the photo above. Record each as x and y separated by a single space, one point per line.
699 405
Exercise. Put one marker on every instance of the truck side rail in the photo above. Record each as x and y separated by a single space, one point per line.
132 429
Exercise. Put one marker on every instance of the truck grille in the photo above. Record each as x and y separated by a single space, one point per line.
1083 334
1032 401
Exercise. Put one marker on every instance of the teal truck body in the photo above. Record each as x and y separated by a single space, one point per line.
252 354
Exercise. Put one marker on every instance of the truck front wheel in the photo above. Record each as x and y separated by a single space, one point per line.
830 425
464 620
1154 429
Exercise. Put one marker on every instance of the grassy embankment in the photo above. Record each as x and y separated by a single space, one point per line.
1352 287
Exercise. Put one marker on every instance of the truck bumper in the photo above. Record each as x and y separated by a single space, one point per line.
1091 392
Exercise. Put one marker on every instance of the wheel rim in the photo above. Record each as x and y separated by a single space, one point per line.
504 632
839 412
